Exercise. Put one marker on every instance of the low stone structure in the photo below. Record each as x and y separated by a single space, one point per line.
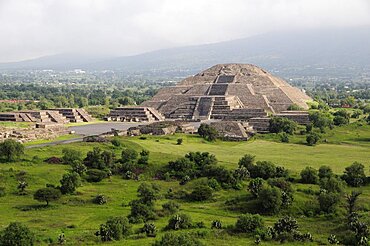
301 117
134 114
162 128
75 115
233 131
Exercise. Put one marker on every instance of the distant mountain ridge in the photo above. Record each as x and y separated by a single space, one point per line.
345 47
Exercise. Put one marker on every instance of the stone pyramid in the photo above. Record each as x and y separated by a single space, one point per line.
227 91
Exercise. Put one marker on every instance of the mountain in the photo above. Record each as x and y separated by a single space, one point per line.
341 48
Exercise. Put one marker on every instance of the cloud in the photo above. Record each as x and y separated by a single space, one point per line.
31 28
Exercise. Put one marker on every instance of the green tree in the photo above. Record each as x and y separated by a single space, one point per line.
270 200
249 223
281 124
69 183
47 195
11 150
354 175
325 172
255 186
16 234
114 229
71 156
201 193
328 201
128 156
312 138
309 176
207 132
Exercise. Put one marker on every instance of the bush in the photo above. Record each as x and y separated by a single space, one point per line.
179 141
100 199
128 156
69 183
354 175
95 175
263 169
284 137
115 142
11 150
213 183
141 211
309 176
249 223
71 156
16 234
183 239
255 186
148 193
182 167
79 168
201 193
312 138
179 221
47 195
144 157
114 229
247 161
328 201
286 224
325 172
171 207
281 124
216 224
149 229
331 184
270 200
207 132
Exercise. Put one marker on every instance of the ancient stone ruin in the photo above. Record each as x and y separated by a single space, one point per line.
134 114
227 91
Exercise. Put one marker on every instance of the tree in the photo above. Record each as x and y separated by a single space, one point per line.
99 159
69 183
16 234
263 169
320 119
325 172
148 193
71 156
309 176
79 167
255 186
354 175
331 184
128 156
270 200
144 157
114 229
11 150
207 132
281 124
247 161
149 229
312 138
249 223
179 221
47 195
328 201
183 239
95 175
201 193
341 117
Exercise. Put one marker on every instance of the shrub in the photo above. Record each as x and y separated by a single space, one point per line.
69 183
71 156
144 157
286 224
98 159
115 142
312 138
249 223
354 175
281 183
201 193
341 117
100 199
281 124
11 150
255 186
270 200
328 201
207 132
309 176
141 211
16 234
263 169
213 183
179 141
171 207
128 156
79 167
47 195
148 193
182 167
114 229
95 175
183 239
284 137
331 184
216 224
247 161
325 172
149 229
179 221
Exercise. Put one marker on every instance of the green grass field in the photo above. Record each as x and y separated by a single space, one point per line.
79 218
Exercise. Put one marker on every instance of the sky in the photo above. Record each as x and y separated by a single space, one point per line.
35 28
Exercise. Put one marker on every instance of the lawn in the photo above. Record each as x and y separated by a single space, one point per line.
79 218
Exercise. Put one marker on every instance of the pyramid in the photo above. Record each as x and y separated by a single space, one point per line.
227 91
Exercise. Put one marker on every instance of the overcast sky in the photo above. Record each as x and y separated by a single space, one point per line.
33 28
